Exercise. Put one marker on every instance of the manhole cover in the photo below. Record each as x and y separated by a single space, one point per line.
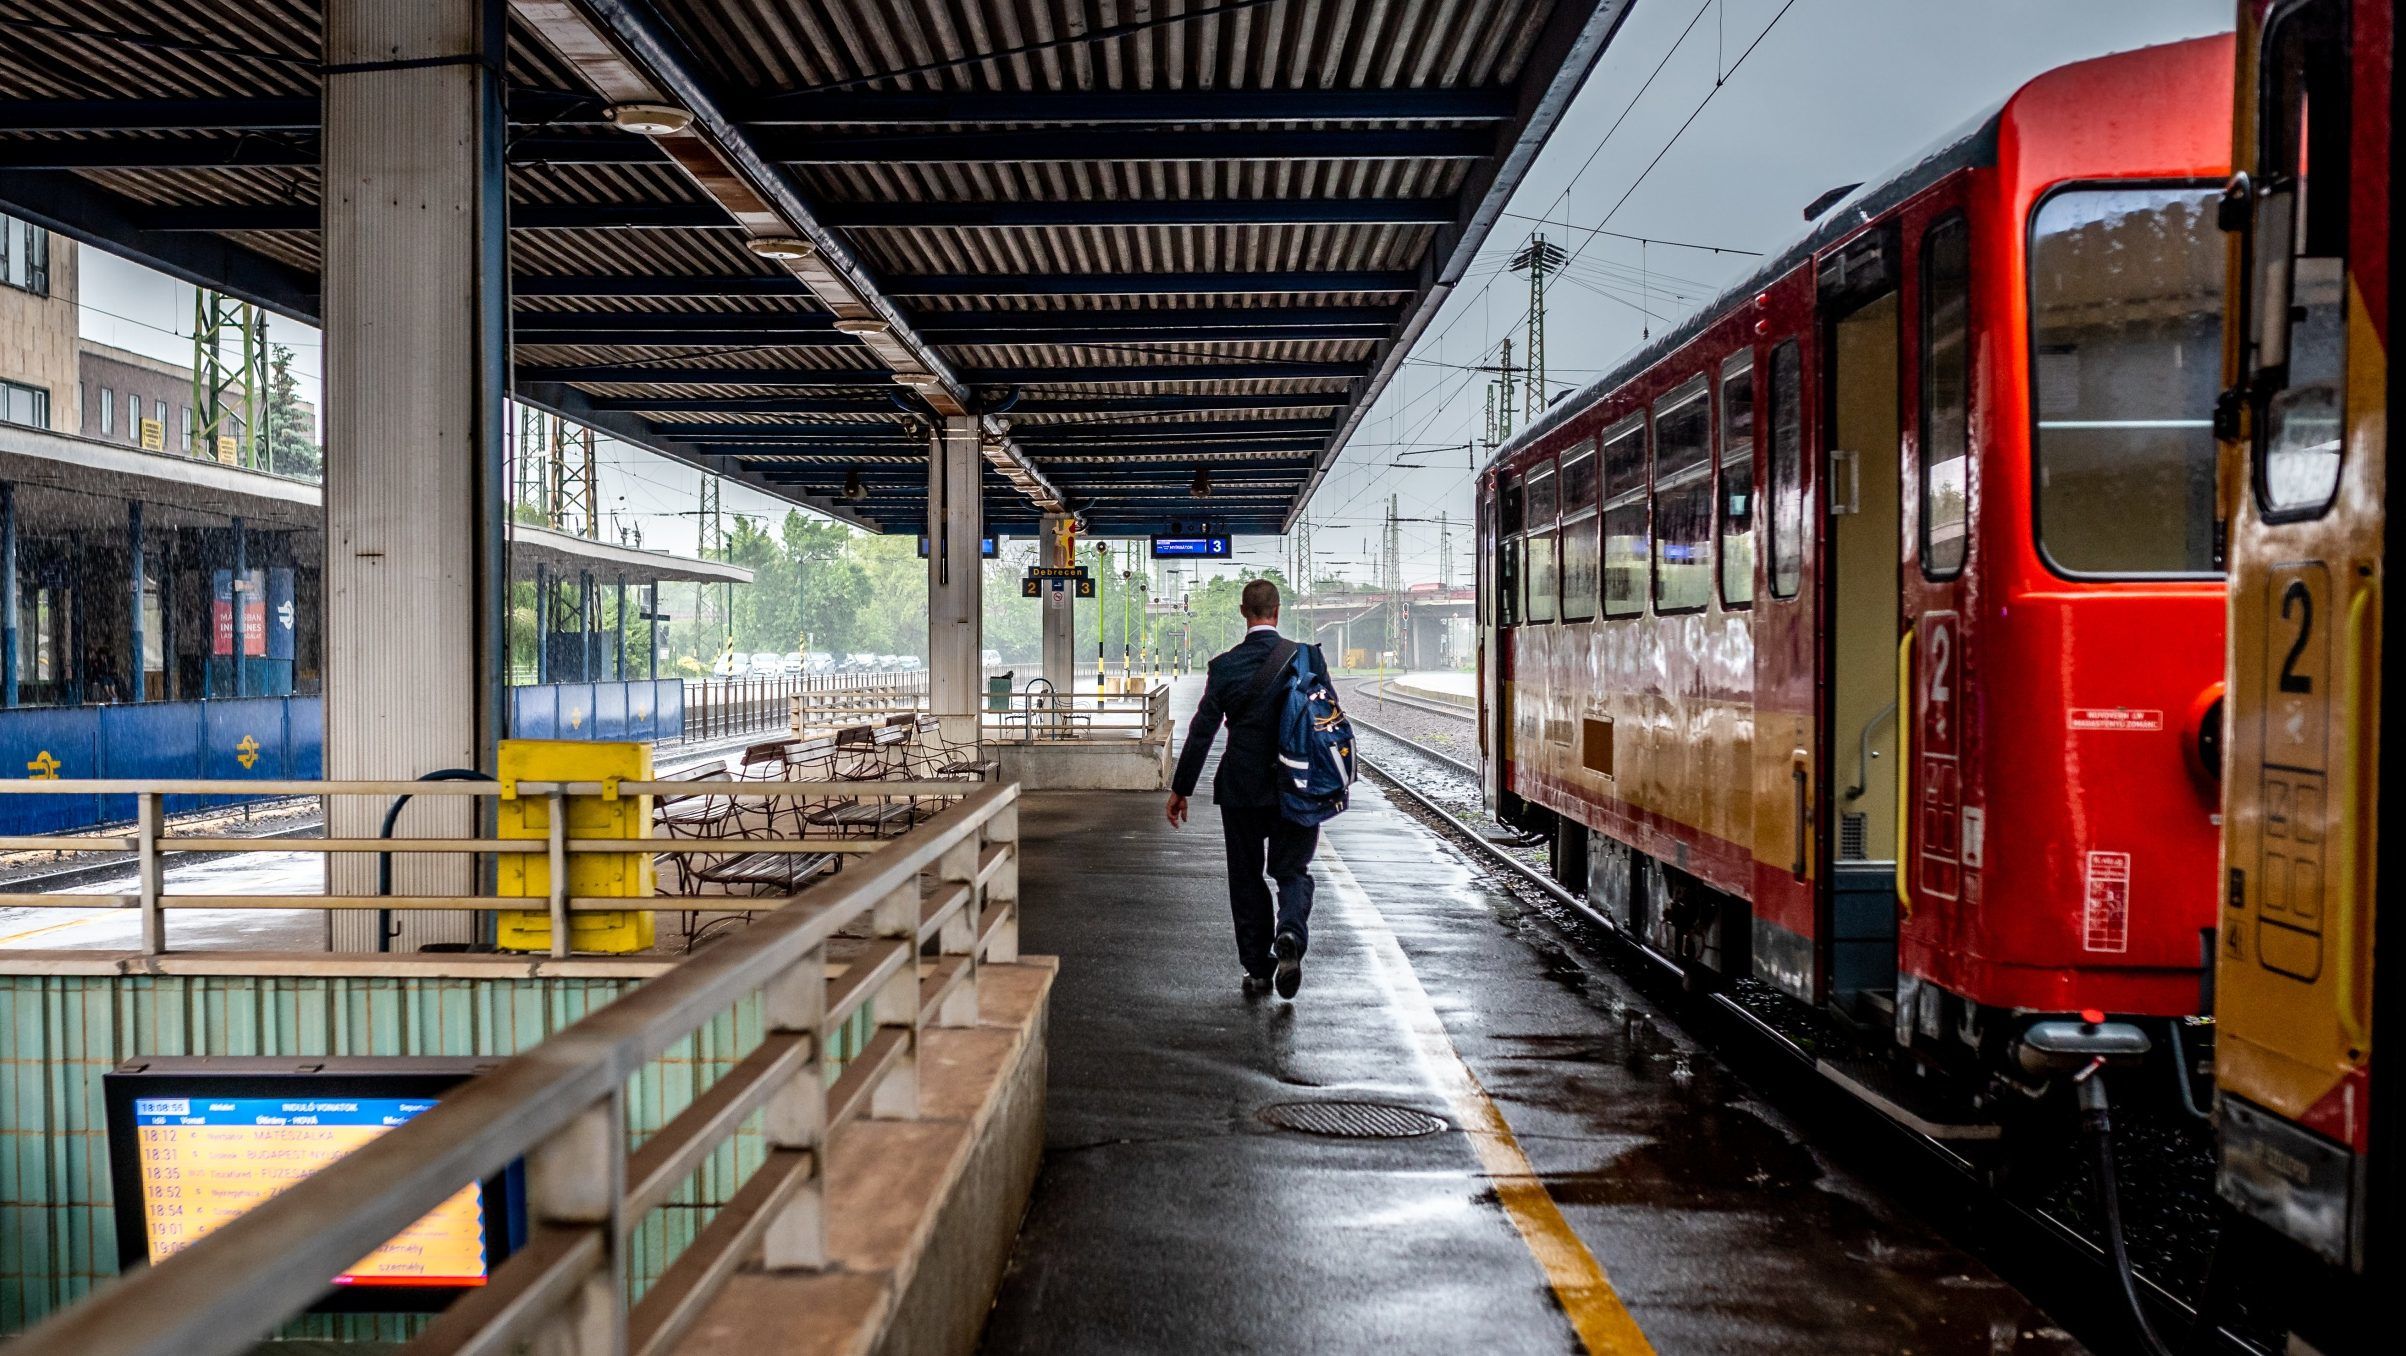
1352 1120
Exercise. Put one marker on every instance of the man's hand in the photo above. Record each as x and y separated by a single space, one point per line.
1177 811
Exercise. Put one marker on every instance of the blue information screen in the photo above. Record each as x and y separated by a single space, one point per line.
203 1161
1198 548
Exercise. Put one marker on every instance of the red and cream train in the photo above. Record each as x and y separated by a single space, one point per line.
1865 634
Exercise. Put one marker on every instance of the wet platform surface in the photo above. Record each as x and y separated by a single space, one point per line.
1171 1217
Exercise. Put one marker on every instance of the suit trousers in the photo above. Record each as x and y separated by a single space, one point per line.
1260 839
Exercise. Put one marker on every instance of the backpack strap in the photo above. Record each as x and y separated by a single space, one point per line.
1281 655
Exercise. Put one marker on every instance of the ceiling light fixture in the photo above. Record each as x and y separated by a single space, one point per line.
1200 487
853 489
861 325
784 247
648 120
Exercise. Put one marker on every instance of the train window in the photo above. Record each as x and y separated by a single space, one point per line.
1509 497
1579 545
2125 351
1683 499
1625 551
1737 480
1946 396
1787 493
2300 278
1543 574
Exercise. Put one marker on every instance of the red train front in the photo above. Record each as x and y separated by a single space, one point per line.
1932 493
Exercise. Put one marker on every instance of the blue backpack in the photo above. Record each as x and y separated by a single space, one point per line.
1315 745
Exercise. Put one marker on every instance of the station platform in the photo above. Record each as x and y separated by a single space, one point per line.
1590 1180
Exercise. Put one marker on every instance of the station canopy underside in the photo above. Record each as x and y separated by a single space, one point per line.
1140 244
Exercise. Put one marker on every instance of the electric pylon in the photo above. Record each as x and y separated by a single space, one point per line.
1540 259
227 392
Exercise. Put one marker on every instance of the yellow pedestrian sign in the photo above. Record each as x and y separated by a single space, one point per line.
43 768
247 752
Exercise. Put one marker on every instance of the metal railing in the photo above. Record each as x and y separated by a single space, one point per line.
949 889
149 842
1031 717
720 708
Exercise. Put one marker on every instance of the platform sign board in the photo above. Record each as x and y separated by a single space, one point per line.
1061 577
154 436
194 1143
253 611
985 546
1191 548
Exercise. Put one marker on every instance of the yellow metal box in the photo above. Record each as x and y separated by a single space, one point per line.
589 816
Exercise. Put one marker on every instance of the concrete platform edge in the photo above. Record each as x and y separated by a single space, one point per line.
924 1213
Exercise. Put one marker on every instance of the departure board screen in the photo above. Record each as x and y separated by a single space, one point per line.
195 1142
205 1160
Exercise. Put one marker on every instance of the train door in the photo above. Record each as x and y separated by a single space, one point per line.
2306 481
1861 511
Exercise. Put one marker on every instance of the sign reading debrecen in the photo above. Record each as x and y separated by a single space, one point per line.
1032 583
1190 548
207 1159
191 1149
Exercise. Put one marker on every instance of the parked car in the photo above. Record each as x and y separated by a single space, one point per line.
859 662
727 665
818 662
791 666
992 659
767 665
908 663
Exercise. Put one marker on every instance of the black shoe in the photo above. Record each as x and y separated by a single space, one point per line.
1256 985
1289 974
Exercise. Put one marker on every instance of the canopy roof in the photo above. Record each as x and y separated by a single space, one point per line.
1139 242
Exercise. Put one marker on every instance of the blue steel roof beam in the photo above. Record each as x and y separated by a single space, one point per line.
576 407
1168 372
523 217
80 210
627 53
774 404
1572 40
1122 403
680 286
1145 284
947 322
1148 212
284 150
871 432
527 108
1085 433
746 339
1119 145
1175 334
882 108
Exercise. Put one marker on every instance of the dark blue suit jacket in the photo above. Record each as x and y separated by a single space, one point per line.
1248 772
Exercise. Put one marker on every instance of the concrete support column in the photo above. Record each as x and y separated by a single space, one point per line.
236 581
620 672
8 595
415 296
136 683
1060 603
956 524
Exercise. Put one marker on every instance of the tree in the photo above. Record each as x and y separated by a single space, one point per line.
290 449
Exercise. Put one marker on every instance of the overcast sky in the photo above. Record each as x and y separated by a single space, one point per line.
1835 91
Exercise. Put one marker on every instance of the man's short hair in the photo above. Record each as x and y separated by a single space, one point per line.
1259 602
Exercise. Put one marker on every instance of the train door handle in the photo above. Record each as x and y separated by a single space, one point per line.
1846 470
1804 827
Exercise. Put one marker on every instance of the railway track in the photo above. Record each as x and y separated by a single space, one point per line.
2036 1242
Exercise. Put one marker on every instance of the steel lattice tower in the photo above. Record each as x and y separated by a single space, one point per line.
227 393
1540 259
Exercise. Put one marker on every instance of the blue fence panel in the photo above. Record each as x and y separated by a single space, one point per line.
643 722
157 740
49 744
668 702
576 711
305 720
245 740
538 712
609 711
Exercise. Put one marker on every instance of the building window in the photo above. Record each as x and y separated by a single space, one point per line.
187 428
133 417
20 404
24 256
1946 396
1544 572
1580 574
1737 480
108 410
1787 471
1683 499
1625 517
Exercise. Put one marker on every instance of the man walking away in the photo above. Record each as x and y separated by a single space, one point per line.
1243 690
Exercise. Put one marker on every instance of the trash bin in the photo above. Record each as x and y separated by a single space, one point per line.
998 692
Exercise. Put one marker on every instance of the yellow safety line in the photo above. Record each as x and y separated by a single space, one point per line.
46 927
1603 1323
